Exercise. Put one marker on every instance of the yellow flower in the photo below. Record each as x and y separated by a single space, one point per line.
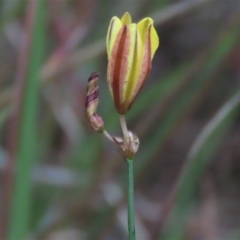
130 49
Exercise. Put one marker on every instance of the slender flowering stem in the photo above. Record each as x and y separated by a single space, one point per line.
131 218
124 127
130 49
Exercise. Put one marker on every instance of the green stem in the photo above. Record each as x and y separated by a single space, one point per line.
131 219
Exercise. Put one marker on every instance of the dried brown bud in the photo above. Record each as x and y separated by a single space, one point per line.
96 122
129 147
92 101
92 98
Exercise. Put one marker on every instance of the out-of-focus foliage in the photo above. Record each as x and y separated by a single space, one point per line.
62 180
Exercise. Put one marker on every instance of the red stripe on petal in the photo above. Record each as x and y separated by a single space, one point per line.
120 68
145 69
147 64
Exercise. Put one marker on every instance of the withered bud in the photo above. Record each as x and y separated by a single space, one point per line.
96 122
128 147
92 101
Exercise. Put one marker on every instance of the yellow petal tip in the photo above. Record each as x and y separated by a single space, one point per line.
126 18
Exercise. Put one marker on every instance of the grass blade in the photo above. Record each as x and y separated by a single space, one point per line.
197 162
26 145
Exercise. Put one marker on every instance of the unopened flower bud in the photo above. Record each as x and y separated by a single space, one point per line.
130 50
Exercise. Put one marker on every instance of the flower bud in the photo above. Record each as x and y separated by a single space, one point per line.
130 49
96 122
92 101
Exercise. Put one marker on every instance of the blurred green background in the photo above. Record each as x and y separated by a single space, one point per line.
62 180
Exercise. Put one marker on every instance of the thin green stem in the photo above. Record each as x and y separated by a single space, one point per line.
131 218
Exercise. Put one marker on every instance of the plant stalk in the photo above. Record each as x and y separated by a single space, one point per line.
124 127
131 217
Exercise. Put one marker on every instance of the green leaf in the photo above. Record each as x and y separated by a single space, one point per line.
27 152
